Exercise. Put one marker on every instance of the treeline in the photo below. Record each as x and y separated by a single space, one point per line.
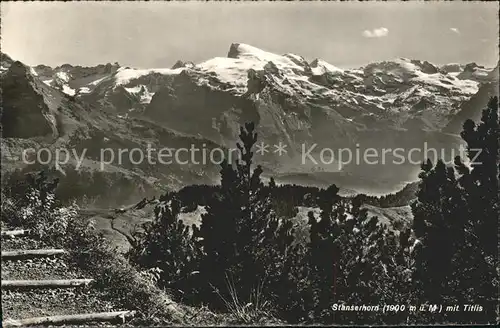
401 198
288 196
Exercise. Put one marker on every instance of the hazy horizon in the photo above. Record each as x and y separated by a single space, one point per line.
151 34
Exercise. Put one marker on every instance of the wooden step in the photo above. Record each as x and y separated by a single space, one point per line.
21 254
71 319
59 283
15 233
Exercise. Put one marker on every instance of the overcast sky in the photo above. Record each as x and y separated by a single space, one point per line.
146 34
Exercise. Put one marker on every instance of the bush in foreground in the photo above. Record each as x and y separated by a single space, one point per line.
39 211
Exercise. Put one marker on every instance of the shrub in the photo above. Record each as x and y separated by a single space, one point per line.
113 274
32 204
166 247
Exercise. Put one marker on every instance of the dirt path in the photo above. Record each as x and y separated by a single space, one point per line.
36 302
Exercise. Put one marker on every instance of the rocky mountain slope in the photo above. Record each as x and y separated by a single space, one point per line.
37 116
468 109
386 105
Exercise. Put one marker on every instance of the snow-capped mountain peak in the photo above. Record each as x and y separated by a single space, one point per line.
319 67
125 75
397 85
245 51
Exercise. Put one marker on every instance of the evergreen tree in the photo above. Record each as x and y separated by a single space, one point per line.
352 260
323 253
479 252
456 223
239 226
166 245
438 224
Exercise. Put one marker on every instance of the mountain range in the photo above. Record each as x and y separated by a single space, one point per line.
402 103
